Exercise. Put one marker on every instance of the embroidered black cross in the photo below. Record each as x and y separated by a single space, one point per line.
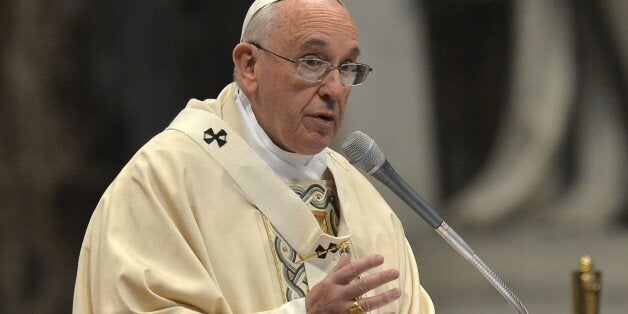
321 252
220 137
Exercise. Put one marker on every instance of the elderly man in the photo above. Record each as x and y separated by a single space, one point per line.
240 207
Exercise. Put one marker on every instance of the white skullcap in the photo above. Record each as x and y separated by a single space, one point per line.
256 6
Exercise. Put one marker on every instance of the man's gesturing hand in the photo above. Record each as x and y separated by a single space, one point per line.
341 287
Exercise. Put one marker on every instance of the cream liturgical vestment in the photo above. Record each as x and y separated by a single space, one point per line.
196 222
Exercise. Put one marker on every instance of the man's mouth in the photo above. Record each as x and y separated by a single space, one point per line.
321 121
325 118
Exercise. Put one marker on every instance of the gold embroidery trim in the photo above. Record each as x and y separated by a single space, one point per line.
321 217
270 236
341 247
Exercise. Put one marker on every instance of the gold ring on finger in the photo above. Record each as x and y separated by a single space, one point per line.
355 308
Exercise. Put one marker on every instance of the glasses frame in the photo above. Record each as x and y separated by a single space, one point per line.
330 67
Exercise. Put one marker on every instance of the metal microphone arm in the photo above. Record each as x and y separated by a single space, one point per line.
455 241
387 175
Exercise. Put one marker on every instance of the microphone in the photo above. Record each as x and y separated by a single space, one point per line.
365 155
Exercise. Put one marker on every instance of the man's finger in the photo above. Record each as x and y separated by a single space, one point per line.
372 303
349 272
363 285
345 259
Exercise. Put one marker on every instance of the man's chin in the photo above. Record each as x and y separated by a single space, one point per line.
312 147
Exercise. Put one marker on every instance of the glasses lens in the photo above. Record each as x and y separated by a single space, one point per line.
354 73
312 69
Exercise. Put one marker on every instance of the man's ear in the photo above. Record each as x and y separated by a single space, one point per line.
245 60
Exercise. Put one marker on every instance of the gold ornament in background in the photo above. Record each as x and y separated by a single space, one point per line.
587 284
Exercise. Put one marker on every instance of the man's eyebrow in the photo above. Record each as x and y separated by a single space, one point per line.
355 51
315 43
319 43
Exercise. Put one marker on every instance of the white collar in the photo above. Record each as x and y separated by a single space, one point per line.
287 165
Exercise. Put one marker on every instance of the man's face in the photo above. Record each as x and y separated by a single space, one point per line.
301 116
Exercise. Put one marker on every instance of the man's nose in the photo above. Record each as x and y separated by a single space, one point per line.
331 85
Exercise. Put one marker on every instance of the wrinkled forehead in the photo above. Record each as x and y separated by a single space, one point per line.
256 6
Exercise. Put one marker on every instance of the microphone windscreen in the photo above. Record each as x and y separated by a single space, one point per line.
363 152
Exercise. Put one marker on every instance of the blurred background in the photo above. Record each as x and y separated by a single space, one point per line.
509 117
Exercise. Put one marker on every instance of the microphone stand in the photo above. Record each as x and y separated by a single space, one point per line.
451 237
363 153
386 173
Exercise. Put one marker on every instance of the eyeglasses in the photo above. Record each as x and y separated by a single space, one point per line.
313 69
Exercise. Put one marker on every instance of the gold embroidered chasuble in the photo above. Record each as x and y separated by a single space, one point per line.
177 231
